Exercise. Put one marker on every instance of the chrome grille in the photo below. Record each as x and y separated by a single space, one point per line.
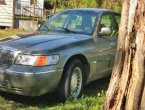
6 57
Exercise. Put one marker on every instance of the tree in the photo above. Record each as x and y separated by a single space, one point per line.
110 4
127 85
58 5
99 3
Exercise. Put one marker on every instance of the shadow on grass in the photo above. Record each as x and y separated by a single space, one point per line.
50 100
97 86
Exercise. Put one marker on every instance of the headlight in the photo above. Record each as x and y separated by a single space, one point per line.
37 60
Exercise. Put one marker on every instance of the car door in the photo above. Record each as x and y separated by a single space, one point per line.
103 53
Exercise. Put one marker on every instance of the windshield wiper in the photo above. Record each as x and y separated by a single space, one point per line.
67 30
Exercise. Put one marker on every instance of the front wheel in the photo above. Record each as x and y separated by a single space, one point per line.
72 82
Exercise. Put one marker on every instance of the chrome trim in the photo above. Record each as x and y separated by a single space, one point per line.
18 72
27 73
51 71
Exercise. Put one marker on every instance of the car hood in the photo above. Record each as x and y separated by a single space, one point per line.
39 42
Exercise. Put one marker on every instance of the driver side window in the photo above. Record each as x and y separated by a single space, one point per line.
106 20
107 26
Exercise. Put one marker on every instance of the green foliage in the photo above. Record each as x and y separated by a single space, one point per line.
9 32
86 3
64 4
85 103
99 3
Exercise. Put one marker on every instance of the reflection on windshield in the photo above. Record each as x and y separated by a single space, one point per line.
71 21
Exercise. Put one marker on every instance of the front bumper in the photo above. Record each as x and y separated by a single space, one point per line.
29 81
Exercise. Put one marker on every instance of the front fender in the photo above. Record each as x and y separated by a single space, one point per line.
67 54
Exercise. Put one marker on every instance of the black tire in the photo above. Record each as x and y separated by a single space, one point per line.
65 88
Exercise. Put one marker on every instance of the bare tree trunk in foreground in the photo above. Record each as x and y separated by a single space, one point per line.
127 86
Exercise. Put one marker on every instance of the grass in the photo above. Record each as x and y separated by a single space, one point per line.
92 99
8 32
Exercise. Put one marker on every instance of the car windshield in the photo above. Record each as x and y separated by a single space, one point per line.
71 21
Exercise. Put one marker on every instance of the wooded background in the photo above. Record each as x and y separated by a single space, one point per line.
58 5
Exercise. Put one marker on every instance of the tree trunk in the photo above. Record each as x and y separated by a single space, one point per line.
126 89
54 6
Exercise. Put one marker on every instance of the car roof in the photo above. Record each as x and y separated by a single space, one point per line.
97 10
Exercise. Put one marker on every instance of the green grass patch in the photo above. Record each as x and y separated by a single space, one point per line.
9 32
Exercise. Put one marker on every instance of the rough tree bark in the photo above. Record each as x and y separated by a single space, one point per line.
127 85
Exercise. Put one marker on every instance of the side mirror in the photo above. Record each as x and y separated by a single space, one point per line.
105 31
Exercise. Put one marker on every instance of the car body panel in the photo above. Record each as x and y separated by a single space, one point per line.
102 56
